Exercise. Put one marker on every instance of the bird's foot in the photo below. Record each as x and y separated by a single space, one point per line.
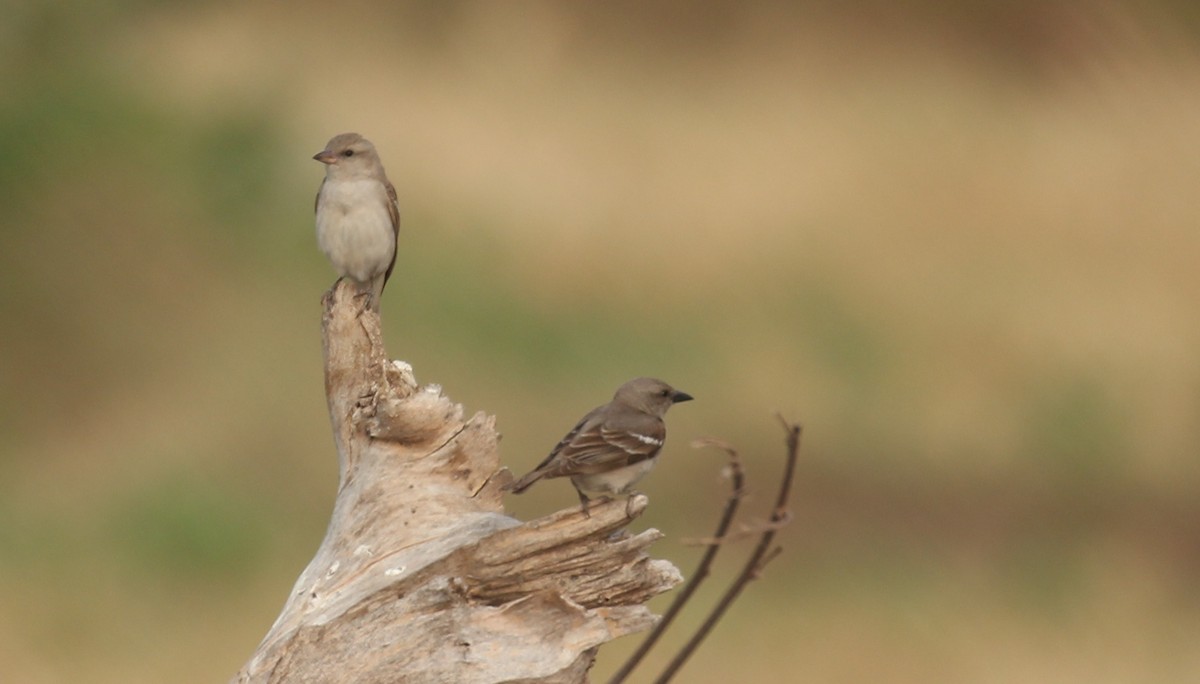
584 502
365 301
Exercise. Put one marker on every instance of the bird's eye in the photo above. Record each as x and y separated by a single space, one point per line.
665 393
348 153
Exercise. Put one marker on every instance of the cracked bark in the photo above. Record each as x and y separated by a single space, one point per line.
421 576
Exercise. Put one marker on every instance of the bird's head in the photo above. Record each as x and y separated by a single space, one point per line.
350 156
650 395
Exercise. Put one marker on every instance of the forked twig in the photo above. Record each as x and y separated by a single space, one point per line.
735 496
763 553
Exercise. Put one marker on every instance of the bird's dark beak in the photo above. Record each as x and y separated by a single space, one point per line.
325 157
680 396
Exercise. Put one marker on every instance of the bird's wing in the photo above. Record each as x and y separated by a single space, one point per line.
317 199
587 420
621 440
550 465
393 207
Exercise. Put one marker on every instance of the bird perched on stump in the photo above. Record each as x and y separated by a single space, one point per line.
358 216
614 445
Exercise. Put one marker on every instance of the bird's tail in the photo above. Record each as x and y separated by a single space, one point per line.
524 483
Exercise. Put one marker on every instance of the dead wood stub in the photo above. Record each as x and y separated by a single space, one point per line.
421 577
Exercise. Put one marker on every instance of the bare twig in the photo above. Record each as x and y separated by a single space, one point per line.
735 496
763 553
743 531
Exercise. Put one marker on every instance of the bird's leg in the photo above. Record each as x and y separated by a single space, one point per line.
366 299
364 296
583 501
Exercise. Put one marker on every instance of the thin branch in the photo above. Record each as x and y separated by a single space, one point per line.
735 496
744 530
775 553
763 553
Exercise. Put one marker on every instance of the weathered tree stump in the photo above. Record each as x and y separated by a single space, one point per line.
421 576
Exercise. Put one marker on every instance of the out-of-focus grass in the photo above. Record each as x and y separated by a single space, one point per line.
959 247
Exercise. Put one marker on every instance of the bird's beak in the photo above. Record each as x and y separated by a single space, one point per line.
325 157
680 396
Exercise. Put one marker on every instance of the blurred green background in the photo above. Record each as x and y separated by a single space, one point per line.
959 243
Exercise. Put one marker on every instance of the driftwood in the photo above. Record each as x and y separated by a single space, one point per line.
421 577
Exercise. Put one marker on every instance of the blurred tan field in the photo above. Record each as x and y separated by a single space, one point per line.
962 247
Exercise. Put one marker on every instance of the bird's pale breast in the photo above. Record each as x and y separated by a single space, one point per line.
618 481
354 228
